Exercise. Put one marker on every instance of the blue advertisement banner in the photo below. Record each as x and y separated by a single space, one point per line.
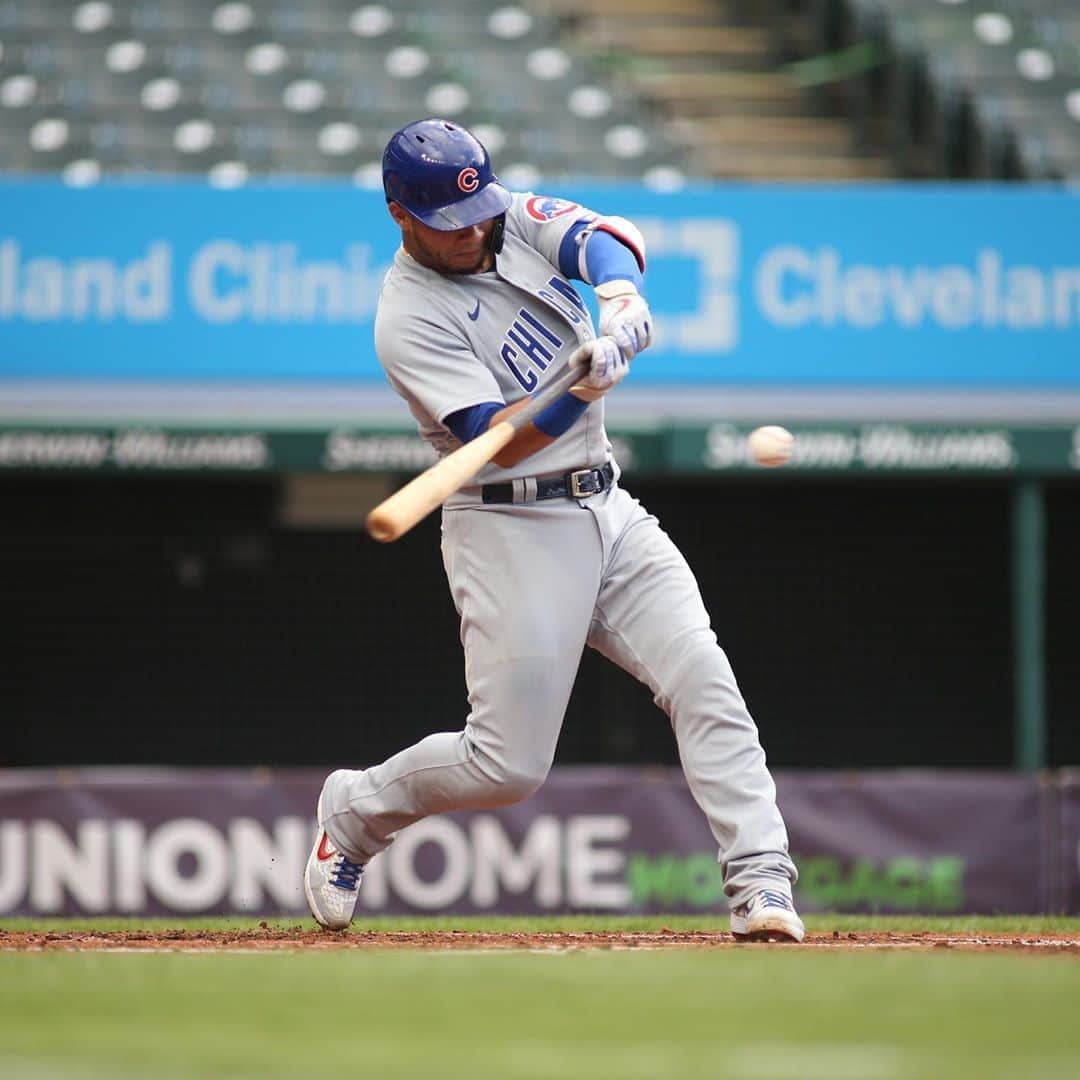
916 285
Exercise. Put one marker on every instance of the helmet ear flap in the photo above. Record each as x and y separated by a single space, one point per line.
495 242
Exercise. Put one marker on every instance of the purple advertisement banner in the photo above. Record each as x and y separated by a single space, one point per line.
187 842
1069 841
919 841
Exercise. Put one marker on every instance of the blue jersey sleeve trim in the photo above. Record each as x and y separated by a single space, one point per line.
607 258
466 424
568 251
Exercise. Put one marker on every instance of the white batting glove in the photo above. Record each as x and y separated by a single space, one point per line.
625 316
608 365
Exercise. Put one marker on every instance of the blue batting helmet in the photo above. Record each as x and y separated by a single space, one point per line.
441 173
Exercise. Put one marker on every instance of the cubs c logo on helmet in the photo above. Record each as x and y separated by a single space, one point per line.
468 179
545 208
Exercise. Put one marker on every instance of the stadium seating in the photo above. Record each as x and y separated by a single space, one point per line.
976 88
267 87
653 90
716 71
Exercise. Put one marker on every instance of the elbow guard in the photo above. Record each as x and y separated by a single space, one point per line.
623 230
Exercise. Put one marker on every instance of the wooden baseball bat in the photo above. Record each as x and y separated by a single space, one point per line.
395 516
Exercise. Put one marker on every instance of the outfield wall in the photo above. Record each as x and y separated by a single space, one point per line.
231 842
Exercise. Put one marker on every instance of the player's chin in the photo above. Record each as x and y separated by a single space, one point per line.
468 262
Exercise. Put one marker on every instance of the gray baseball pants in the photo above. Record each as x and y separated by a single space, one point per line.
534 583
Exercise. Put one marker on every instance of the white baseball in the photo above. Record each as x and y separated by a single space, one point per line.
771 445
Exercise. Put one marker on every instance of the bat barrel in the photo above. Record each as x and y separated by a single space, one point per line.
381 526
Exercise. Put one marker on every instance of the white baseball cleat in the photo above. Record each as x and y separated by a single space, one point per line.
331 881
767 916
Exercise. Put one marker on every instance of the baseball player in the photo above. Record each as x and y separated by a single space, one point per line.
544 551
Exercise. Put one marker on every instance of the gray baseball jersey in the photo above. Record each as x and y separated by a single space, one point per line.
448 342
536 581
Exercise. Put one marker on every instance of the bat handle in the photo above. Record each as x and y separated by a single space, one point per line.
576 369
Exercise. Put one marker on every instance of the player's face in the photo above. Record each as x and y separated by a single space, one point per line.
460 251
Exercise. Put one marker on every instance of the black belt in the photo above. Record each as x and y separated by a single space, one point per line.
574 485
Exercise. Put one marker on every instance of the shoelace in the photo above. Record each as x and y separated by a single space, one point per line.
768 898
347 874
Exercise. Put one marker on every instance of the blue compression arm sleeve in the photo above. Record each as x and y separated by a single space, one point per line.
557 418
606 258
560 415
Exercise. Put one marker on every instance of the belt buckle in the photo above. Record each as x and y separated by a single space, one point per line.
585 482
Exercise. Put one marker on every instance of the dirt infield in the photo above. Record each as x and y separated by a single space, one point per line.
301 938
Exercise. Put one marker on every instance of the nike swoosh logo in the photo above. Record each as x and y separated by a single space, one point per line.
475 313
326 849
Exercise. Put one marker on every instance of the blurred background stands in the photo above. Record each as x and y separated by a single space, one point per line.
644 90
237 89
962 89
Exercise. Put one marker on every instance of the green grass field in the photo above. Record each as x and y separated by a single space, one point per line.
751 1012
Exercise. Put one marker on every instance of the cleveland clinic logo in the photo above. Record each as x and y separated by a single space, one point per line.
712 245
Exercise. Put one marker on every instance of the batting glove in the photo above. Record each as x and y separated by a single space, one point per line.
608 365
624 316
